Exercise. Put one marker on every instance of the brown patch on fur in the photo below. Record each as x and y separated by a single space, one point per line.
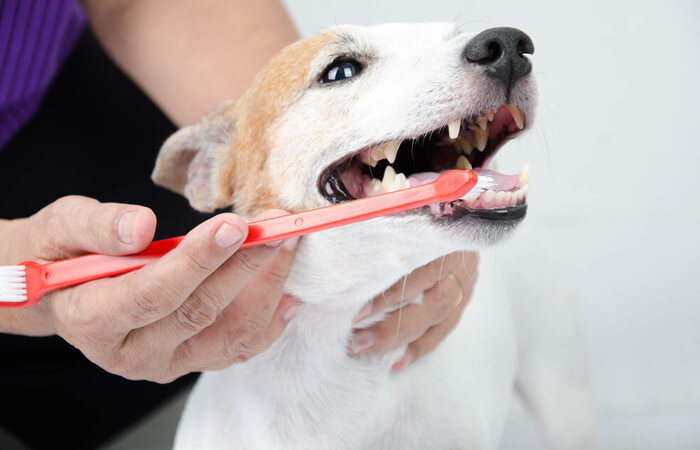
273 90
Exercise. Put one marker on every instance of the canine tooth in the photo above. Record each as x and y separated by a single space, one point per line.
463 163
482 121
390 150
490 114
453 128
389 177
329 189
369 161
524 175
376 185
481 137
517 116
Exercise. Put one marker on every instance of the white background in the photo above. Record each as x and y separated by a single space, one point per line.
614 196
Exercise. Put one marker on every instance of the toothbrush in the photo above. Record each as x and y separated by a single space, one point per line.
24 284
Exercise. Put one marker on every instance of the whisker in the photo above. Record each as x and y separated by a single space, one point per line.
401 303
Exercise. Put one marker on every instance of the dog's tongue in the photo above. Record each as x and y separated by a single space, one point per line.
500 182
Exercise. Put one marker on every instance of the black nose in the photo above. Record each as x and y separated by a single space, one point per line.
500 52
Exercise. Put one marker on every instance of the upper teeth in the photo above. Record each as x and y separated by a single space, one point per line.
476 137
453 128
517 116
386 151
480 137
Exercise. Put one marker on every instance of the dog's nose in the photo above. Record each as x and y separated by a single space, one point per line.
501 54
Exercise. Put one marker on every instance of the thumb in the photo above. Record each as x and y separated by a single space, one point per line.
75 225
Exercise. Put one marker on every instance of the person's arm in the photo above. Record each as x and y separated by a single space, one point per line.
190 55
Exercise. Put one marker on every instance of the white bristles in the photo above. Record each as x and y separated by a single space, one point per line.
485 183
12 284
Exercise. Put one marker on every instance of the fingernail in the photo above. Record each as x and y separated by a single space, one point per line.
292 242
290 312
227 235
362 341
126 224
404 361
364 312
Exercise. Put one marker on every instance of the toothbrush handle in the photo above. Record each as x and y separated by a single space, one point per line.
447 187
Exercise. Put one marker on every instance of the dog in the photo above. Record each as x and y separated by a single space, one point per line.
352 112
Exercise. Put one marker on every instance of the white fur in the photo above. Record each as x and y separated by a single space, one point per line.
306 392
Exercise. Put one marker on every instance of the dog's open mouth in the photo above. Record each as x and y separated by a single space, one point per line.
469 143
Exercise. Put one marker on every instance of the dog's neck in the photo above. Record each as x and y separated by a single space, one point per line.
310 363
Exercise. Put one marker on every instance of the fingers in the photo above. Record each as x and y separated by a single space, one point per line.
410 322
421 326
430 340
144 296
248 325
418 281
76 225
256 270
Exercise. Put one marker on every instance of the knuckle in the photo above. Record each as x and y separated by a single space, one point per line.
276 277
240 345
197 266
247 263
442 307
145 304
196 314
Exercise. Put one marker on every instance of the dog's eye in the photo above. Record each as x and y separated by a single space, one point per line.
341 70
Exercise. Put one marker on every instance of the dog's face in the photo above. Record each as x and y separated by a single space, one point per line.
355 111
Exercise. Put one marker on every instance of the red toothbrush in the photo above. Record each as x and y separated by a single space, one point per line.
25 284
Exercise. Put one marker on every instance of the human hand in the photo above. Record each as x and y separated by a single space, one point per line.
203 306
447 285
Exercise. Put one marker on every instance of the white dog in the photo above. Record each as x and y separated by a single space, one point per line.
345 114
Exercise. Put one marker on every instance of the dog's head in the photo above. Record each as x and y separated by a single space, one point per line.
354 111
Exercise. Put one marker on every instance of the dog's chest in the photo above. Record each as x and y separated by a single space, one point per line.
307 393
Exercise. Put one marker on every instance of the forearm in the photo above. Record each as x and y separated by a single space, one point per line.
190 55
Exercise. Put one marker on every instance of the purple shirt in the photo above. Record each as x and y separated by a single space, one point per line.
35 38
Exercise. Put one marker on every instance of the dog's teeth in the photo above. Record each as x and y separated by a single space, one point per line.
490 114
377 185
369 161
388 179
466 146
463 163
524 175
390 150
329 189
480 137
517 116
487 198
482 121
500 197
453 128
400 182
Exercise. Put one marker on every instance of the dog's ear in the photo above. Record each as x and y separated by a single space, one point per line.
192 161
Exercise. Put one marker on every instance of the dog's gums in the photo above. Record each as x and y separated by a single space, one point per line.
469 143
